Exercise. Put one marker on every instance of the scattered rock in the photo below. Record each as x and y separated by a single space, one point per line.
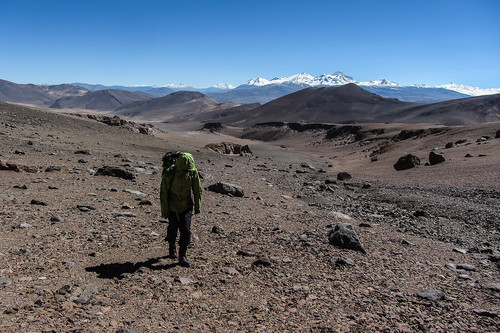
24 225
493 286
344 236
230 270
497 135
462 251
307 166
145 203
226 188
56 218
469 155
85 208
343 176
217 230
449 145
406 242
205 176
262 262
344 261
407 162
435 158
486 313
38 202
125 214
53 168
466 267
183 280
21 187
5 281
11 166
421 213
139 193
114 172
431 295
83 152
229 148
85 297
245 253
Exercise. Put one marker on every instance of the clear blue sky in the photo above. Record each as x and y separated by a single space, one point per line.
205 42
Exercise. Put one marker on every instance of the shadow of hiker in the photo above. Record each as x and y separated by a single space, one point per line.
116 270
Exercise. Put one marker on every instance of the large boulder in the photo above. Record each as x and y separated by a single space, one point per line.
435 158
229 148
407 162
115 172
226 188
344 236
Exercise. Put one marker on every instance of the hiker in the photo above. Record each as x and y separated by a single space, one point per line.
177 183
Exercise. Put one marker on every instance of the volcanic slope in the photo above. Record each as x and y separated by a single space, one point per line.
41 96
350 103
180 103
86 252
100 100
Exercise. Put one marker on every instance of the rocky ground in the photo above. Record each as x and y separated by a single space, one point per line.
81 252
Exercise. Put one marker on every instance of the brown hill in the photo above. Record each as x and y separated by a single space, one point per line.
180 103
344 104
41 96
101 100
350 103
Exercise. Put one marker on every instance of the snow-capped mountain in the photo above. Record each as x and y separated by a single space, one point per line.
223 86
380 83
339 78
469 90
258 82
175 86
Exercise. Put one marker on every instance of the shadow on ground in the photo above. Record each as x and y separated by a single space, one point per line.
117 270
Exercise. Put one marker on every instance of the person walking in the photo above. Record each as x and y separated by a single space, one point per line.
179 184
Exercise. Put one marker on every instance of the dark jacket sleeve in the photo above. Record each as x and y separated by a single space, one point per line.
196 186
164 188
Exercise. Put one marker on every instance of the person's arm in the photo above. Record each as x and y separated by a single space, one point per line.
164 187
196 186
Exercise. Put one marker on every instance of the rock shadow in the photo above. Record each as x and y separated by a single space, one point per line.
117 270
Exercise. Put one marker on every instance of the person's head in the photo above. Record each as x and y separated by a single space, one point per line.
185 162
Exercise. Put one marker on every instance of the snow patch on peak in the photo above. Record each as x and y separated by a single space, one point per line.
335 79
469 90
380 83
223 86
173 85
259 81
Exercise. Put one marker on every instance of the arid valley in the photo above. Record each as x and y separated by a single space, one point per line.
84 252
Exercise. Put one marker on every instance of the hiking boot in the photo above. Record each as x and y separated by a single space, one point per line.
172 251
182 256
184 262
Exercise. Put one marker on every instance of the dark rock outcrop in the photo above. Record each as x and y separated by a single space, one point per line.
344 236
435 158
226 188
115 172
407 162
343 176
229 148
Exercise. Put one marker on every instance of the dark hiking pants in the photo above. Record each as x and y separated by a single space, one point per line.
181 222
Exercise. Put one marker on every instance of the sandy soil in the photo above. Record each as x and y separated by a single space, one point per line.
271 268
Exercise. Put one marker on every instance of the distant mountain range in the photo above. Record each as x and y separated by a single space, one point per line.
290 100
350 104
260 90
